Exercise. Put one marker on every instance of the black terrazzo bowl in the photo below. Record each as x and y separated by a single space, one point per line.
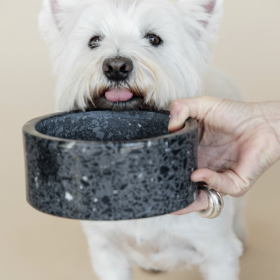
104 165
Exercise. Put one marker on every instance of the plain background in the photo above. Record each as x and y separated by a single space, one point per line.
37 246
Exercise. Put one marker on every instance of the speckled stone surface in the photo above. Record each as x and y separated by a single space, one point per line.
103 165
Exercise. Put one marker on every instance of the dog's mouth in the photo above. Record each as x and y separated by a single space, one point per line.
118 99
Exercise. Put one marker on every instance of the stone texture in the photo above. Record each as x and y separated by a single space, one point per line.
103 165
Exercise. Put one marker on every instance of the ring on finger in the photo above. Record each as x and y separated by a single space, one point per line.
216 204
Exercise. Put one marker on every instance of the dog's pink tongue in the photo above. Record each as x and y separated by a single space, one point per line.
118 95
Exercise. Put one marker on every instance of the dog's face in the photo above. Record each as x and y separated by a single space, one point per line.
127 54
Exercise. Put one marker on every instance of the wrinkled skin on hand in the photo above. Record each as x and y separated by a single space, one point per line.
238 142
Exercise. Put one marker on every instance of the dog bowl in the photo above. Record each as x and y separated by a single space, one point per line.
105 165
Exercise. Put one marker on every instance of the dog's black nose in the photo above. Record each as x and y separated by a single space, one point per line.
118 68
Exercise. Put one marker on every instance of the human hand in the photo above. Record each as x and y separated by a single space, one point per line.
238 142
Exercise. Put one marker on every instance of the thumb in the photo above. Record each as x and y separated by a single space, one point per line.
194 107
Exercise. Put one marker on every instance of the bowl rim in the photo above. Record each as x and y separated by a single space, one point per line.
30 128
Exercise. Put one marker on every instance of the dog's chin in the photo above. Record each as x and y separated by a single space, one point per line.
135 103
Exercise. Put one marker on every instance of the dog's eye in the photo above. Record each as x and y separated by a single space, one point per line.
94 42
154 40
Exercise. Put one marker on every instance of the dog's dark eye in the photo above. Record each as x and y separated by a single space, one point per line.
154 40
94 42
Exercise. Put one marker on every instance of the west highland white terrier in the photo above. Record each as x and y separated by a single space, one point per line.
131 54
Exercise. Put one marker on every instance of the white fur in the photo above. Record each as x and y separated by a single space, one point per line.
172 70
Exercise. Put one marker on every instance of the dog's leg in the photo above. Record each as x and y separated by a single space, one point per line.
223 261
108 262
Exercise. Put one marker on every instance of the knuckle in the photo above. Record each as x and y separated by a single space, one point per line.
175 104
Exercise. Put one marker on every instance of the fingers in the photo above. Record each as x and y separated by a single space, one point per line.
221 182
182 109
224 183
200 204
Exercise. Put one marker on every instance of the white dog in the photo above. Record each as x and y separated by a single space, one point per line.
128 54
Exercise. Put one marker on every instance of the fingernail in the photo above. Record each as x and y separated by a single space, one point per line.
173 119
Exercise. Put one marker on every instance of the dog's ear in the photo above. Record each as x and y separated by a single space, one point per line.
201 15
50 21
56 20
56 11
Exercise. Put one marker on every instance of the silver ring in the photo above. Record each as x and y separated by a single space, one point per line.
216 204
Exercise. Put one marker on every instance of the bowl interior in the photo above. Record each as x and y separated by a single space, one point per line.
106 125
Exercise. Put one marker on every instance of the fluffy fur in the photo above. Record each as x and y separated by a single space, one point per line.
161 74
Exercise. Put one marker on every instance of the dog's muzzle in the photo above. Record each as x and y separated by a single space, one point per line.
121 92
